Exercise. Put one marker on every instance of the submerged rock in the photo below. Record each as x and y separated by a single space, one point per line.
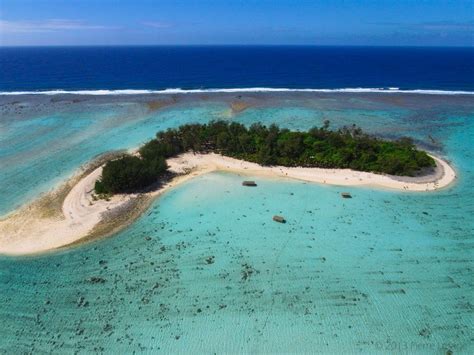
81 302
96 280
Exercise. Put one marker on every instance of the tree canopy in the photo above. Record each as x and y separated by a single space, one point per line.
347 147
129 174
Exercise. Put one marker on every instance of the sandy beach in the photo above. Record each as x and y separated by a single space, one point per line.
43 225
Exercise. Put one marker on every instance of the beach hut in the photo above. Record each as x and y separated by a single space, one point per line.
249 183
346 195
279 219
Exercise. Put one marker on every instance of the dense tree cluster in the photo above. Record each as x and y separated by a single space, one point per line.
129 174
348 147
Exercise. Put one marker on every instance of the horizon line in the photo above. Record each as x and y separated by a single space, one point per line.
235 45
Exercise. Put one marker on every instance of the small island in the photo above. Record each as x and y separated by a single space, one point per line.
346 148
111 192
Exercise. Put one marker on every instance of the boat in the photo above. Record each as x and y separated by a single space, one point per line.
249 183
279 219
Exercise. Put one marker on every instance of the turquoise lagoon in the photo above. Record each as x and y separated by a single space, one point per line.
205 270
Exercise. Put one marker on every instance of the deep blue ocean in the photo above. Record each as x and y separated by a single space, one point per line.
203 67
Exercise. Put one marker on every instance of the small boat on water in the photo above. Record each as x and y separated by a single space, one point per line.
249 183
279 219
346 195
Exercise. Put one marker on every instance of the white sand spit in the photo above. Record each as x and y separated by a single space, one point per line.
29 230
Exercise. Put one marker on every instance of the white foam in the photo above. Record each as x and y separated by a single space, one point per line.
390 90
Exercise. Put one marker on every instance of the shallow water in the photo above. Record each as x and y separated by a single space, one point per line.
205 269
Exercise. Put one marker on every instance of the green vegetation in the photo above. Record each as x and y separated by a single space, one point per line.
129 174
348 147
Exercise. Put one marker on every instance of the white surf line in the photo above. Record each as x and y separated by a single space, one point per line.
103 92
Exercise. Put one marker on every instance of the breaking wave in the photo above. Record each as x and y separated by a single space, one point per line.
389 90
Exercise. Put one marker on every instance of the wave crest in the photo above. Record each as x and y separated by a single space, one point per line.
390 90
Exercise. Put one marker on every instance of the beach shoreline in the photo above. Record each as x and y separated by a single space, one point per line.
40 227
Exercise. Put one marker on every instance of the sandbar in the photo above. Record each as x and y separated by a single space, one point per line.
43 226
